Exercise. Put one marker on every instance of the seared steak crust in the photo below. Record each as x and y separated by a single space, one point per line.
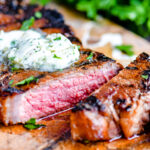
79 81
50 92
120 106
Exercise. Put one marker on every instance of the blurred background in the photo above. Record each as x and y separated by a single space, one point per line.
131 14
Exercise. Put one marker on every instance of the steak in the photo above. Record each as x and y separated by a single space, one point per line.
48 93
120 107
14 13
52 92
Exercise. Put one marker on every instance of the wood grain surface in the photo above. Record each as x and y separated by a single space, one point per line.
56 134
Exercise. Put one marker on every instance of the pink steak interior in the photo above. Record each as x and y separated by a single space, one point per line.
60 94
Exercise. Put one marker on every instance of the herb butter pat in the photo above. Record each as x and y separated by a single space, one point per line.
32 50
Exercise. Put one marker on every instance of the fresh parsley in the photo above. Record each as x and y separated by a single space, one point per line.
14 69
31 124
127 49
27 23
40 2
11 58
78 46
133 14
26 81
90 57
86 141
13 43
38 14
55 56
60 70
144 76
11 82
57 38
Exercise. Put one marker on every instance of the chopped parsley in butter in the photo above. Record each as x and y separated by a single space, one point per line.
33 50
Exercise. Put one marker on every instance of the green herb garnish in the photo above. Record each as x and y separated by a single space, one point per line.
60 70
31 124
11 58
78 46
90 57
52 51
55 56
132 14
40 2
38 14
13 43
127 49
86 141
11 82
144 76
57 38
27 23
14 69
26 81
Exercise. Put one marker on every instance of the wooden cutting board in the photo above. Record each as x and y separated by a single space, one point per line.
56 134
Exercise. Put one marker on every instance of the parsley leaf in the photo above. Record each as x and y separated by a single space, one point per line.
144 76
11 82
40 2
11 58
27 23
127 49
60 70
55 56
13 43
78 46
57 38
26 81
31 124
14 69
132 14
86 141
38 14
90 57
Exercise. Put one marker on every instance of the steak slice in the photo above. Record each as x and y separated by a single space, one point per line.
54 91
119 107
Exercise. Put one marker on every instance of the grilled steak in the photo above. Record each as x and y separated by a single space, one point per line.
120 106
13 14
53 91
48 92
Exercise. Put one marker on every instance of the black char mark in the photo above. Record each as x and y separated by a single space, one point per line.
128 108
90 103
97 57
74 39
144 56
102 57
146 82
146 72
55 18
131 68
121 103
12 90
40 76
10 6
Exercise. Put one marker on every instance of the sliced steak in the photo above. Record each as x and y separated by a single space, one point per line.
119 107
53 91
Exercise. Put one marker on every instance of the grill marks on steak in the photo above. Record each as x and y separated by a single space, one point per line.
54 91
13 14
119 107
